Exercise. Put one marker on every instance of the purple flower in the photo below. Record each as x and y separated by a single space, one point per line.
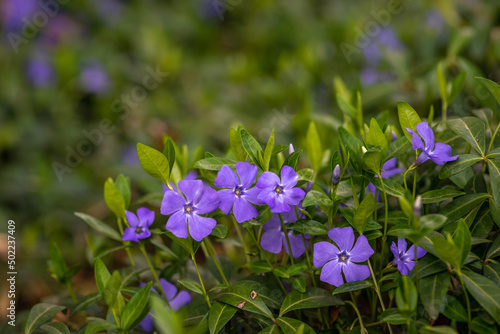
237 193
139 227
192 175
273 239
337 260
94 79
176 301
405 260
336 175
390 168
439 153
278 193
40 71
185 210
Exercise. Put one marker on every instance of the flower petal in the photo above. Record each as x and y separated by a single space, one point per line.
416 142
181 300
361 250
130 234
268 196
293 196
146 216
356 272
331 273
209 201
172 202
403 269
271 240
411 252
226 178
387 173
390 164
169 289
343 237
177 224
145 234
274 222
200 227
289 177
394 250
402 245
442 154
132 219
425 131
192 189
247 173
243 210
296 243
252 195
226 197
280 205
268 180
324 252
147 323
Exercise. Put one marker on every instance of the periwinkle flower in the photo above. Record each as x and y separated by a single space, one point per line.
185 210
389 168
176 301
278 193
238 193
337 260
437 152
273 239
403 259
139 225
94 79
40 71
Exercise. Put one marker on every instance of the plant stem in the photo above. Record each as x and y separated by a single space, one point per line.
210 249
143 250
201 282
71 293
493 138
242 240
377 290
386 207
359 315
283 226
127 250
404 176
414 183
466 300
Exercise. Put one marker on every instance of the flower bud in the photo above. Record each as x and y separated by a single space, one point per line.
336 175
417 206
291 149
394 136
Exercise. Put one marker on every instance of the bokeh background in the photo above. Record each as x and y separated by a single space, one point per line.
82 82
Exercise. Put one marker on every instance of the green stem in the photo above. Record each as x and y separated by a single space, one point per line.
386 207
414 183
357 312
71 293
143 250
466 300
242 240
404 176
377 290
353 189
201 282
493 138
283 226
210 248
127 243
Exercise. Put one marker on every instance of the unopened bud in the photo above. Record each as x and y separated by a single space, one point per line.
417 206
364 149
291 149
394 136
336 175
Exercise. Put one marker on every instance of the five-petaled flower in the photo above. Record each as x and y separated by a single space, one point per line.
403 259
437 152
185 210
278 193
337 260
176 301
273 239
139 225
238 193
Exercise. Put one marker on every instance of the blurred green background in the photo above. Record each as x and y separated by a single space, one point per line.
122 72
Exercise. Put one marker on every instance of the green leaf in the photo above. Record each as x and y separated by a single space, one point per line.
259 267
86 302
472 129
190 245
312 298
478 325
447 251
408 118
97 325
429 265
314 150
246 299
492 272
219 231
431 222
310 227
220 314
191 285
99 226
439 195
406 294
123 185
463 240
165 320
452 309
236 145
169 153
293 159
437 330
214 164
351 144
364 212
494 168
55 328
292 326
441 79
41 314
154 162
456 86
268 152
114 198
373 160
393 317
398 147
494 154
305 175
102 275
460 206
494 249
375 137
112 295
484 291
492 86
251 146
281 272
432 292
315 197
299 284
273 329
391 188
136 308
352 286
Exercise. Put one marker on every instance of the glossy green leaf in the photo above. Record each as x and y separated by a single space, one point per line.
437 330
297 268
406 294
439 195
41 314
251 146
136 308
408 118
431 222
293 326
191 285
484 291
123 185
236 145
246 299
55 328
492 272
432 292
219 231
375 137
364 212
220 314
100 226
299 284
86 302
478 325
102 275
114 198
312 298
452 309
293 159
351 144
494 168
492 86
494 249
472 129
167 321
463 241
393 316
112 295
259 267
352 286
268 152
494 154
456 86
281 272
315 197
214 164
97 325
314 149
429 265
455 167
460 206
447 251
154 162
310 227
398 147
391 188
273 329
